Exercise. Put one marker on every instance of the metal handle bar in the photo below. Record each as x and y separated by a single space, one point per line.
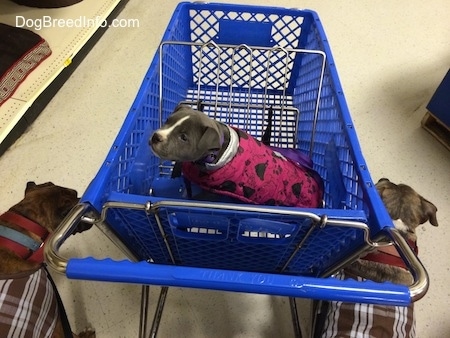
239 281
51 249
421 280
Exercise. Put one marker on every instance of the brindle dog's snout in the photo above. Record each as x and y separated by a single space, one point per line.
156 138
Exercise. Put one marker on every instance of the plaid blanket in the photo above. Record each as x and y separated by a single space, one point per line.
28 306
367 320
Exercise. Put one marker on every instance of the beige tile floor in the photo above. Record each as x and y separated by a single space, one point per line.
391 55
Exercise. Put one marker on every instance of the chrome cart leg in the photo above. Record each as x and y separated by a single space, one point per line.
295 321
316 313
145 293
159 311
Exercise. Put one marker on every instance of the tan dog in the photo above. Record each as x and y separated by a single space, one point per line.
28 302
408 210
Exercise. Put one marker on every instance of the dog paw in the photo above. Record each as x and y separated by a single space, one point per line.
87 333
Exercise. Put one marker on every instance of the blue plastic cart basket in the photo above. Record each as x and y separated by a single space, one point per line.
235 62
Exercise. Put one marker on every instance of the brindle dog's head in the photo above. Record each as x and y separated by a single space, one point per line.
47 204
406 207
408 210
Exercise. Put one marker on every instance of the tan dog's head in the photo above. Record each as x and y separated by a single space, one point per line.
406 207
47 204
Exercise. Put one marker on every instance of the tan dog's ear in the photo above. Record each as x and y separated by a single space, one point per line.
210 139
429 212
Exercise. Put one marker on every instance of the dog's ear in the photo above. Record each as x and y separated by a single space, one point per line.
210 140
382 184
180 106
30 186
429 212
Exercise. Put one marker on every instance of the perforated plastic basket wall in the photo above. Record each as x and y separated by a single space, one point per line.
231 238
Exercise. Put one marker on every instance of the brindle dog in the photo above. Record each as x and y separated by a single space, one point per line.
408 211
38 214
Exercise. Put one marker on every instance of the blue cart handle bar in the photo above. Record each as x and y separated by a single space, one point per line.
330 288
238 281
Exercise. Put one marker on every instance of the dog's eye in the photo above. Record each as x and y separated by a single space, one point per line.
183 137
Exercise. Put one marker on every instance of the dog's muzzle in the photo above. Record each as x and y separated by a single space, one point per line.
155 139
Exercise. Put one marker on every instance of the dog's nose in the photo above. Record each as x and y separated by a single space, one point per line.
156 138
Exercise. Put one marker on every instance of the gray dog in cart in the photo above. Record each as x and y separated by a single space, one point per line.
227 161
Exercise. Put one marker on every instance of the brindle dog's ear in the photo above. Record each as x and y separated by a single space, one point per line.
382 184
33 186
210 140
429 212
30 186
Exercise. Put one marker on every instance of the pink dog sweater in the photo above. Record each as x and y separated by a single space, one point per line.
259 175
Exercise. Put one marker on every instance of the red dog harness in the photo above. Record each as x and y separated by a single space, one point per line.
390 256
259 175
28 303
21 244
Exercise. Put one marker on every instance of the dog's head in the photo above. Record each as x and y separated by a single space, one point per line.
406 207
188 135
47 204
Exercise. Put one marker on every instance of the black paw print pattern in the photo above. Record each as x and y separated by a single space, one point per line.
259 175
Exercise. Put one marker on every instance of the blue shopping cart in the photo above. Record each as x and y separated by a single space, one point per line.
281 59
